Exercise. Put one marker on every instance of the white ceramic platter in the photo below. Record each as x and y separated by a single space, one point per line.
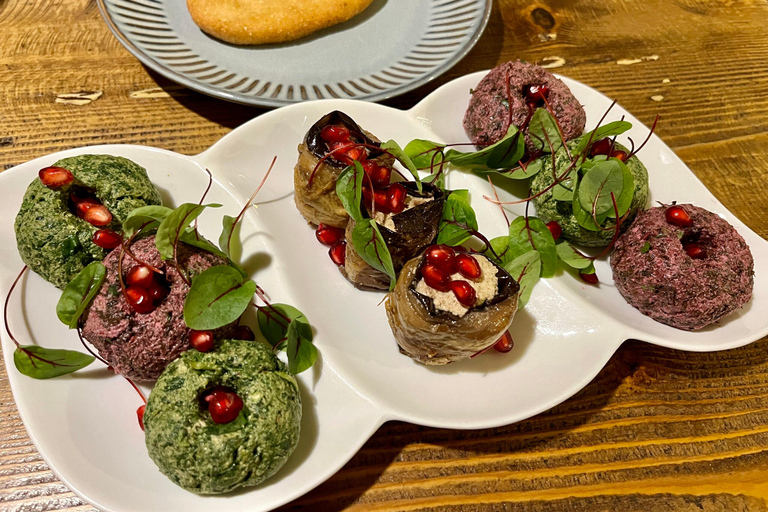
85 425
393 46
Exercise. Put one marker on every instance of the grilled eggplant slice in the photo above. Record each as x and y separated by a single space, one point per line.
317 201
435 337
414 229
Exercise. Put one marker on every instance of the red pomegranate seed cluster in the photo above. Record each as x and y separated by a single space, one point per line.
202 341
441 263
535 95
329 235
144 290
605 147
223 404
90 210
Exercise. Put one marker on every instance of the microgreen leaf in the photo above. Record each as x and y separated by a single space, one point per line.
563 191
421 153
525 269
502 155
608 130
46 363
370 245
572 257
623 200
531 234
190 237
274 319
349 189
595 188
458 215
582 216
500 246
147 216
394 149
229 225
173 226
645 248
543 131
216 298
301 352
79 293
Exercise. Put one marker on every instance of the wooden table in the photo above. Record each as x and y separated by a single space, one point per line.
656 430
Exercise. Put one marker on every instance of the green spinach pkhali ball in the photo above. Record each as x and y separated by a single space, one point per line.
549 209
52 240
210 458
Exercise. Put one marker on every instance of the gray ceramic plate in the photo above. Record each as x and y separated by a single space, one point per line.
392 47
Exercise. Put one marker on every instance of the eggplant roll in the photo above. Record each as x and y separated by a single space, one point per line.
406 234
435 336
317 201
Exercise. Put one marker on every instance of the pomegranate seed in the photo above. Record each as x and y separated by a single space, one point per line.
55 177
140 415
97 215
621 155
695 251
443 257
106 239
157 292
335 133
243 332
139 299
328 235
505 343
555 229
338 252
677 216
588 278
468 266
396 195
83 204
380 200
141 276
381 176
435 278
223 404
465 294
202 341
536 93
600 147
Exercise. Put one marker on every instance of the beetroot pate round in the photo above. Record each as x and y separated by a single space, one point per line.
655 273
140 346
488 116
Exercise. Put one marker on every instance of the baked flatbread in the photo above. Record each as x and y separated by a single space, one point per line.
270 21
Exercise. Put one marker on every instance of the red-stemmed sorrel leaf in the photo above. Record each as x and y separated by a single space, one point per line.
217 297
79 293
370 245
526 270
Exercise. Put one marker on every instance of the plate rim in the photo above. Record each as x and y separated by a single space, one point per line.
218 93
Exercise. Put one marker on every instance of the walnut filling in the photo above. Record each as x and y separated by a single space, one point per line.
486 287
385 219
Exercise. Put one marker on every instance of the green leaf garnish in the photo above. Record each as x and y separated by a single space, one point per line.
607 130
563 191
503 155
525 269
595 188
349 189
190 237
623 200
531 234
229 225
46 363
370 245
173 226
274 319
425 154
218 297
582 216
79 293
458 220
500 246
571 257
394 149
301 352
544 131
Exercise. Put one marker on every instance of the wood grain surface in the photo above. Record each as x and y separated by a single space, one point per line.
657 430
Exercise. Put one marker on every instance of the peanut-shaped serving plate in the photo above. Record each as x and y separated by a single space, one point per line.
85 426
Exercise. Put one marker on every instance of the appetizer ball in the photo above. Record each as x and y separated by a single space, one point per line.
510 92
406 234
683 266
549 209
223 419
139 345
58 219
270 21
321 162
449 306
